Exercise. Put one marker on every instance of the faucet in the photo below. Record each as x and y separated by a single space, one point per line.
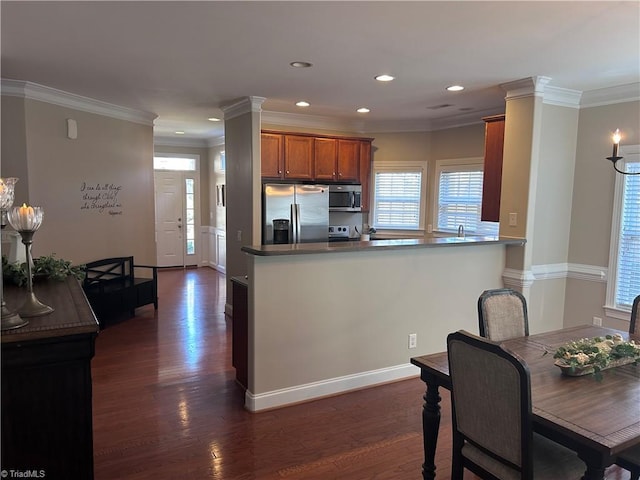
461 231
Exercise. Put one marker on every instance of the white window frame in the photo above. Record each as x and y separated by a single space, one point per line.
452 165
400 167
186 156
631 153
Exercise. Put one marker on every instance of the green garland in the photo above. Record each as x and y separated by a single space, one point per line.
45 267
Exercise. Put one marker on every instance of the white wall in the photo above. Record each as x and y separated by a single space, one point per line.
330 322
111 157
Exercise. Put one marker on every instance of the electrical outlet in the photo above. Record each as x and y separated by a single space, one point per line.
239 235
413 340
429 228
513 219
597 321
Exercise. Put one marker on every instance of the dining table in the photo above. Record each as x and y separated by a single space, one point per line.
597 416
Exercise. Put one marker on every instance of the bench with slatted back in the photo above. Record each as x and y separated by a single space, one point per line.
112 288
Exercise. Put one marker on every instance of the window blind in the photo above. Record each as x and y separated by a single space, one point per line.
397 200
628 268
460 202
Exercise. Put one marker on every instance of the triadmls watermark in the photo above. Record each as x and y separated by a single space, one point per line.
23 473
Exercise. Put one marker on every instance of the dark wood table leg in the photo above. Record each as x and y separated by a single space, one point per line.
430 424
595 465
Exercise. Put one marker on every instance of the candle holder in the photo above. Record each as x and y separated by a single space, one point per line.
8 319
615 157
26 221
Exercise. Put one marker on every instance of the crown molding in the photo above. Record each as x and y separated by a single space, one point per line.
611 95
562 97
465 119
244 105
311 121
180 142
215 141
41 93
525 87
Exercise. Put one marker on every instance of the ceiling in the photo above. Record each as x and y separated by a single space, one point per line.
184 60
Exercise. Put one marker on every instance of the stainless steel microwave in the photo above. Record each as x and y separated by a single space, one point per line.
345 198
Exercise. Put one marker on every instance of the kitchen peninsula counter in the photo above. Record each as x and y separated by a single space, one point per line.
325 318
387 244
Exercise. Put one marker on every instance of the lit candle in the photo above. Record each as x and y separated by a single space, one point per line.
616 142
26 218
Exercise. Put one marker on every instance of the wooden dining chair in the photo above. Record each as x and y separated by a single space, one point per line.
630 459
502 314
491 417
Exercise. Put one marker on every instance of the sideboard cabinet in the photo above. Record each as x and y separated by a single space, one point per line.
46 385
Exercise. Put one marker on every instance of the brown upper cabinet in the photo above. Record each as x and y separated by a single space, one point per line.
298 157
326 152
492 185
348 160
272 160
302 156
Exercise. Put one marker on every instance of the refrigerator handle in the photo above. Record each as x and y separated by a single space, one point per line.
294 222
297 223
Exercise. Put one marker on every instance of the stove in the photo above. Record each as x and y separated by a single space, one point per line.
339 233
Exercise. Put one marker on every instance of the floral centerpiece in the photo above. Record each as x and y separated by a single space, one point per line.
591 355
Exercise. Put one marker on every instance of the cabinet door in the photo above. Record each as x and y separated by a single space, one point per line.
348 160
492 184
326 156
365 173
271 164
298 157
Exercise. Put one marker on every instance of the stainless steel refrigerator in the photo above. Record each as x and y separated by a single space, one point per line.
306 207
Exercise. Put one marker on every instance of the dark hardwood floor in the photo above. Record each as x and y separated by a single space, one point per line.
166 406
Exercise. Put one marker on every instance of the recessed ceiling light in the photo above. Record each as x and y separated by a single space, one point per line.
384 78
213 119
363 110
455 88
301 64
179 132
302 103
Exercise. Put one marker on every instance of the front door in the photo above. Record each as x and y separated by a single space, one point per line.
169 219
176 218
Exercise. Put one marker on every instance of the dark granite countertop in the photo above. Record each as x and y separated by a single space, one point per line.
376 245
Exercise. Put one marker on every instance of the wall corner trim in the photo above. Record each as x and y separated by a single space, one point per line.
514 278
517 279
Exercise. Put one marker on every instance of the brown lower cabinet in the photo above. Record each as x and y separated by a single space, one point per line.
240 330
47 428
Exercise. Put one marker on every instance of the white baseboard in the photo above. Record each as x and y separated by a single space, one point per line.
332 386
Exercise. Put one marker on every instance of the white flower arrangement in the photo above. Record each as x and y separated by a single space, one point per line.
591 355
